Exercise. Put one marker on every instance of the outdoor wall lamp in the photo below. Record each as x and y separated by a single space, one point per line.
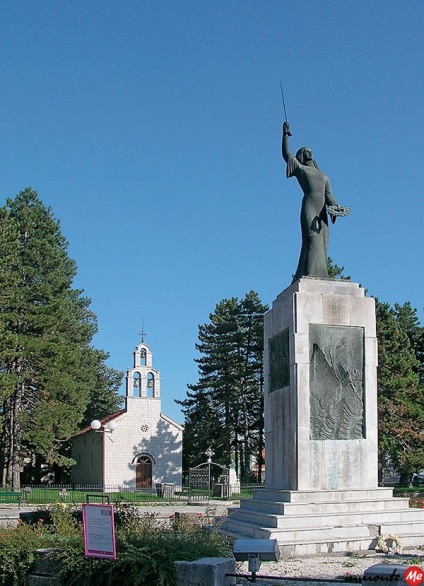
108 428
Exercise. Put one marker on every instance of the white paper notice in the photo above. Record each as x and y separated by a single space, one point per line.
99 531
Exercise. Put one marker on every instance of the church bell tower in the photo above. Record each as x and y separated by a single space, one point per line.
143 381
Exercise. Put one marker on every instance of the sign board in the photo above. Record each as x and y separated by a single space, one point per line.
99 531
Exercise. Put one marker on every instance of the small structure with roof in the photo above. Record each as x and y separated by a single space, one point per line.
145 447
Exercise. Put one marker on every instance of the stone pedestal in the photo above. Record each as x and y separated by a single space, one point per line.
320 363
321 388
206 571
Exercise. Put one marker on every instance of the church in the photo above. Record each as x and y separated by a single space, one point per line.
137 447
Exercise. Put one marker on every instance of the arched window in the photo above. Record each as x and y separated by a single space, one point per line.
143 472
150 384
137 385
143 357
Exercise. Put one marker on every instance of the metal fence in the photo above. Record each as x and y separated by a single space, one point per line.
77 493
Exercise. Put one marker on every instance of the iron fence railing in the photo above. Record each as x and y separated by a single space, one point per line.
77 493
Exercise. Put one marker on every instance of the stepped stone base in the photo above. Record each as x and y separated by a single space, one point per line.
307 522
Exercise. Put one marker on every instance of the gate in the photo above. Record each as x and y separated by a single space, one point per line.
199 480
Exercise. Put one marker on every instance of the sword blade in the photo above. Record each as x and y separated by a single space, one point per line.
284 102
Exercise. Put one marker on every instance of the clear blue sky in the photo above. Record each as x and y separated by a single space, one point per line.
152 128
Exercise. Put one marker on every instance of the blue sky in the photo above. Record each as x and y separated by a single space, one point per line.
152 129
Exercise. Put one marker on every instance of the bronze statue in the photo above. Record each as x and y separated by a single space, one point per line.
318 199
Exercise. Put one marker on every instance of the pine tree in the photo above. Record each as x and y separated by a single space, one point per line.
336 272
400 397
408 320
224 409
48 369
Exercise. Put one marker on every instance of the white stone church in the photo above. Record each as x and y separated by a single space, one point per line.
137 447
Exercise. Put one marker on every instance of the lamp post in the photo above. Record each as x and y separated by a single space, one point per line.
108 428
98 427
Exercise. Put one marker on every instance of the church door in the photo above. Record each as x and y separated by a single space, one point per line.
143 472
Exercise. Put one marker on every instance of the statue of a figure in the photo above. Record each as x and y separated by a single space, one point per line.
317 200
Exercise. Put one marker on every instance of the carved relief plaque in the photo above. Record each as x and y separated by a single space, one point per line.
336 387
279 361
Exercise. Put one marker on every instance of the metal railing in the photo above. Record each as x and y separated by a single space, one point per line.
76 493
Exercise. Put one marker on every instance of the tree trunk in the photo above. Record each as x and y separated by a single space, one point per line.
6 444
236 457
16 436
246 431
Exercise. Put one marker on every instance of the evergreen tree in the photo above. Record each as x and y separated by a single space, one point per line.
407 319
48 369
224 409
400 397
336 272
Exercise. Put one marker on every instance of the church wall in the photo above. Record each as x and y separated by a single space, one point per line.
141 431
87 451
161 441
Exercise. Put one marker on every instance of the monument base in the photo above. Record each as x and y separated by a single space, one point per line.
307 522
320 373
320 379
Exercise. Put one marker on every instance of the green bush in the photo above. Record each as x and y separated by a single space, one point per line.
146 551
143 558
17 552
146 547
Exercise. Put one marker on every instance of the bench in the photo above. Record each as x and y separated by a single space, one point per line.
11 497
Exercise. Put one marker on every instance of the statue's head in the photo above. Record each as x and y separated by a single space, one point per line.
304 155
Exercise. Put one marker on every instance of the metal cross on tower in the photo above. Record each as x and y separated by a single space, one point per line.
142 333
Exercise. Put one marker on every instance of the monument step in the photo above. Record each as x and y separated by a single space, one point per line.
346 519
401 527
314 496
323 507
297 535
340 546
310 548
329 539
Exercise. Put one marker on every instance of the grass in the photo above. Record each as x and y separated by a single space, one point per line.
46 495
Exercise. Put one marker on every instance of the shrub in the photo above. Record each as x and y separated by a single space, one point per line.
146 547
17 552
143 557
146 550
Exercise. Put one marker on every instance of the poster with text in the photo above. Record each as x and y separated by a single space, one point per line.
99 531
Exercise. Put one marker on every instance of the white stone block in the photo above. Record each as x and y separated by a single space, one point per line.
336 310
363 314
371 352
308 309
300 354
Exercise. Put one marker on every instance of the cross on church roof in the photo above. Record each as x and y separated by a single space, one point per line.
142 333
